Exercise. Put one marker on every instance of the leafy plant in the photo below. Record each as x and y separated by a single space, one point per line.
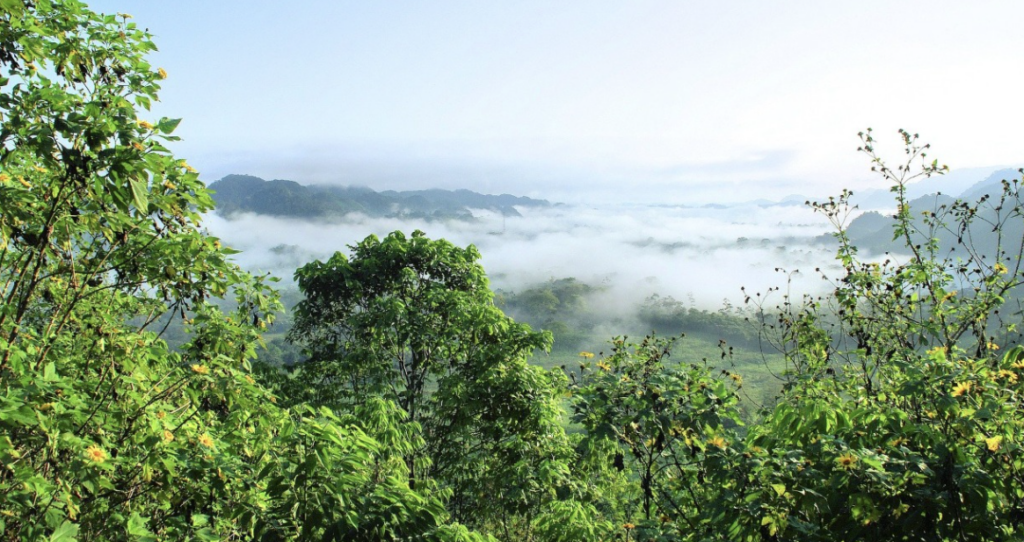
899 414
412 320
667 424
106 433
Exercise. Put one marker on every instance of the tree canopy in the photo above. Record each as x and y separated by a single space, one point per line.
412 320
107 432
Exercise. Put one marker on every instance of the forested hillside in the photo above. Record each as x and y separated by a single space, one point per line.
245 193
415 413
936 216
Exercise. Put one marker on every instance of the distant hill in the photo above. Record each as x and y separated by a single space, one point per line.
992 186
957 181
248 194
873 231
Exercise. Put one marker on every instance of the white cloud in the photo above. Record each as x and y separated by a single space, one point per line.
636 250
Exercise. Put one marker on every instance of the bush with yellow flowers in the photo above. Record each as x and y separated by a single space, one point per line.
106 433
899 417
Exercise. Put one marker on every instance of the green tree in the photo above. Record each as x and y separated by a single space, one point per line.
899 419
412 320
664 426
106 433
904 379
900 416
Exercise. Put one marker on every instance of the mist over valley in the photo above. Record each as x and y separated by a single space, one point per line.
701 253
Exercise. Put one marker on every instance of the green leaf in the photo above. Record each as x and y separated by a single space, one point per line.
12 6
166 125
140 194
23 415
137 528
67 532
206 534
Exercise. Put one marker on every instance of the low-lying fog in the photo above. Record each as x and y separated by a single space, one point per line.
699 254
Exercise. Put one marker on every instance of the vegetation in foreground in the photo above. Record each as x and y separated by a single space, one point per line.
417 416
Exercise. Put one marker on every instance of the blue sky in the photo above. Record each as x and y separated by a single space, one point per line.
643 101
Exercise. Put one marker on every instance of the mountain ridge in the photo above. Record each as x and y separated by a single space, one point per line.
873 230
238 193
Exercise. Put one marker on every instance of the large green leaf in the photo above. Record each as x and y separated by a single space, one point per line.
66 532
140 194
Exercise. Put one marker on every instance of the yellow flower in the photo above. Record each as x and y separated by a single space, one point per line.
1000 268
23 182
628 526
201 369
169 185
847 460
718 442
40 169
736 378
993 443
587 355
1009 375
206 440
137 146
961 389
993 346
187 167
168 436
249 379
96 454
162 73
4 177
145 124
604 366
161 415
1018 364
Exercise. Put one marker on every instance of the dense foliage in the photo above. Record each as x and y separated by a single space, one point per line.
899 419
105 432
412 321
414 413
559 306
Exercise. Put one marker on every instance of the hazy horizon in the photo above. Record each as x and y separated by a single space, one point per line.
651 101
702 254
614 109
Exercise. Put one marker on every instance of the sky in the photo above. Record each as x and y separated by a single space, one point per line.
598 101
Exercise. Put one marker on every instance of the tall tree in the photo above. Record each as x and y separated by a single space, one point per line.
105 432
412 320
